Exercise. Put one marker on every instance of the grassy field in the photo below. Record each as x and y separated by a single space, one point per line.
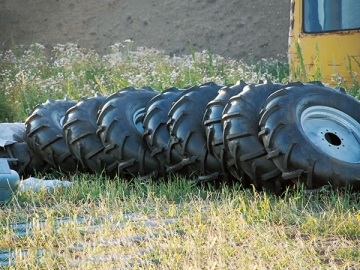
113 224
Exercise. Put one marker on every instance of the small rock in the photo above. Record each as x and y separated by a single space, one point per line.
37 184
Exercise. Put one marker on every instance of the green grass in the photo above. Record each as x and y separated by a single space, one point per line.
211 228
223 228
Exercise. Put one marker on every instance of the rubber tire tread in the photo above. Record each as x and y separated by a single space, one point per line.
79 130
241 128
188 136
44 134
120 136
156 133
27 163
213 127
213 115
290 148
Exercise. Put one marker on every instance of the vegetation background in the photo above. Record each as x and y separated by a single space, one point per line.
155 224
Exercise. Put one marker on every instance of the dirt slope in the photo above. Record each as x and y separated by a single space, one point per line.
248 29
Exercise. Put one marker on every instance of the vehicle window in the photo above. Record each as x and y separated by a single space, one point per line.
330 15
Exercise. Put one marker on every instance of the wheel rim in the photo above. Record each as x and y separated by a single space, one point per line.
333 132
138 119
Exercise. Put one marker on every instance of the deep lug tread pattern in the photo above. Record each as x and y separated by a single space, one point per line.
264 134
242 121
156 133
79 131
121 137
298 158
213 117
44 134
188 136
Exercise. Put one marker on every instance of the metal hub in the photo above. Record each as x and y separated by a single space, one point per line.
333 132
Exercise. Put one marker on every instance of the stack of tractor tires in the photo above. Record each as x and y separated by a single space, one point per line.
120 130
156 133
44 134
240 124
79 131
188 137
265 135
212 122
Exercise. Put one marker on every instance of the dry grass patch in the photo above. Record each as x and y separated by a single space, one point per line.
178 226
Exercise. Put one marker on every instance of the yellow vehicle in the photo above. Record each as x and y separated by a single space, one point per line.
324 41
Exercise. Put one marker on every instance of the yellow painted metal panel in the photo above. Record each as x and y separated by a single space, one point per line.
322 56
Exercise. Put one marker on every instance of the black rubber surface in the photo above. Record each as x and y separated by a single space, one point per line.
120 130
214 131
79 131
188 136
156 133
290 148
241 128
44 134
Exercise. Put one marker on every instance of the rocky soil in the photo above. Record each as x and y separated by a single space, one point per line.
240 29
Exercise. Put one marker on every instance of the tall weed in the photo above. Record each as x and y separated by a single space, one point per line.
29 76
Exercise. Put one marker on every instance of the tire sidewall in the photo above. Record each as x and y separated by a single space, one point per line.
296 100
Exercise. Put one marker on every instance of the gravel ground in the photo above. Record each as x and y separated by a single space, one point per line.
247 29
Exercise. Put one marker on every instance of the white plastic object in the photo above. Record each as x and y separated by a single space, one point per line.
9 180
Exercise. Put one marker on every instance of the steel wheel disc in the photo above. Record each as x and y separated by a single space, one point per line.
332 131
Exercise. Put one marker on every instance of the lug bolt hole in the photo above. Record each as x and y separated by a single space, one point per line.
332 138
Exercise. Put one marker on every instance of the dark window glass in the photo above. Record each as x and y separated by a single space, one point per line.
331 15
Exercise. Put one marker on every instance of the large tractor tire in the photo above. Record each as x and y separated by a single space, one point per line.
120 130
312 134
156 133
241 128
44 134
21 159
188 136
214 130
79 130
